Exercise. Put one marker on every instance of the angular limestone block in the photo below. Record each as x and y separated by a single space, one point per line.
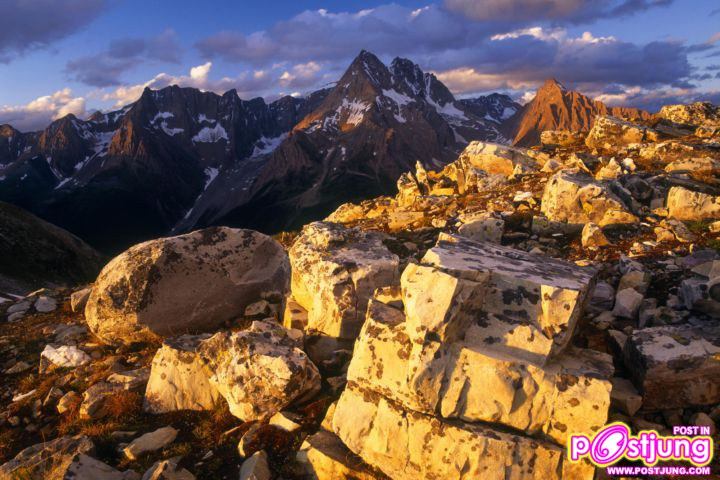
335 271
178 379
508 300
570 394
410 445
675 366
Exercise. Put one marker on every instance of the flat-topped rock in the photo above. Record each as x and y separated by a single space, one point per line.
575 197
259 371
324 456
610 133
698 113
686 204
494 158
571 393
335 271
411 445
178 378
500 298
675 366
561 138
191 283
46 458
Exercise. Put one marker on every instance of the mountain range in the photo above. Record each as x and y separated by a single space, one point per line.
181 158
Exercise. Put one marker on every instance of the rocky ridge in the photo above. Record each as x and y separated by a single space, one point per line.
463 328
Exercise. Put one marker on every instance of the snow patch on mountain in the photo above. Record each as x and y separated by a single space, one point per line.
211 174
397 97
211 134
355 111
267 145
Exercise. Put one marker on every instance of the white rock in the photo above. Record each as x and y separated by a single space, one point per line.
501 159
412 446
685 204
593 237
576 198
65 356
482 227
150 442
335 271
610 133
178 379
167 470
507 300
259 371
324 456
455 380
84 467
675 366
43 460
79 299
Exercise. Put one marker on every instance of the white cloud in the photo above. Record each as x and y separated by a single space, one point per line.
249 84
38 113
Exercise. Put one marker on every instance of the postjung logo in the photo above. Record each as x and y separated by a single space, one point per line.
616 442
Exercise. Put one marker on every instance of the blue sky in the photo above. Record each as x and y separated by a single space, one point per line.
75 56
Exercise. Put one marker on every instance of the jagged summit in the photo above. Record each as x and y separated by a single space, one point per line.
556 108
180 158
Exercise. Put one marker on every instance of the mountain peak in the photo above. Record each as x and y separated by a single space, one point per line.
556 108
366 64
552 84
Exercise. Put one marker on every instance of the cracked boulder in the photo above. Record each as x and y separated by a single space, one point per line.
609 134
675 366
259 371
335 270
191 283
411 445
576 198
501 159
571 393
500 298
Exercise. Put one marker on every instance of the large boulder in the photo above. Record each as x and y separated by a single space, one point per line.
186 284
504 299
525 396
576 198
675 366
335 270
410 445
474 318
686 204
494 158
698 113
610 134
259 371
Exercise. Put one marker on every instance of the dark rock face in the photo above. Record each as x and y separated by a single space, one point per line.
373 126
125 176
556 108
37 254
179 158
